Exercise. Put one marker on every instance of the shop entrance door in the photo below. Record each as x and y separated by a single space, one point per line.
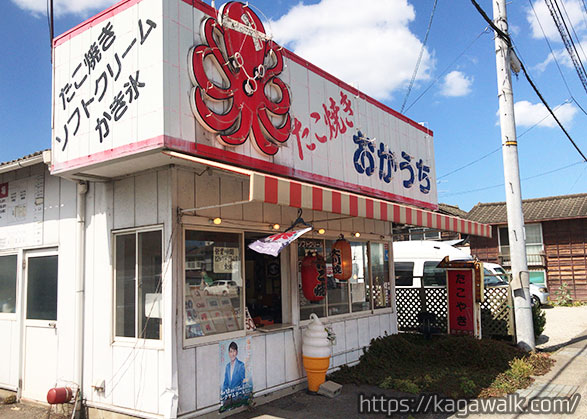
40 337
263 285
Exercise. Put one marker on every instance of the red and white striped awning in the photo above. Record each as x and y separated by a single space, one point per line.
281 191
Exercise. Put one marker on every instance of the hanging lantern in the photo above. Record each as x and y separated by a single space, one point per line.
342 260
314 277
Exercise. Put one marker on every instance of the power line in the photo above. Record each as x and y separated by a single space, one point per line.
554 56
448 67
419 56
507 39
567 39
499 148
526 178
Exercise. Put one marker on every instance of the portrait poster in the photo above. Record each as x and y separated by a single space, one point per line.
236 374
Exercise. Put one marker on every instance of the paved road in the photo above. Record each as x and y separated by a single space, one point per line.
562 324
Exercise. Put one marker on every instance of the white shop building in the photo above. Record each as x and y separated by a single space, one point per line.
179 138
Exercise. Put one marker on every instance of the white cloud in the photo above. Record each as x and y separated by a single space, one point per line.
370 46
574 10
455 84
63 7
530 114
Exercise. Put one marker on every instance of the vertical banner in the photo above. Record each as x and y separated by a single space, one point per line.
461 302
236 373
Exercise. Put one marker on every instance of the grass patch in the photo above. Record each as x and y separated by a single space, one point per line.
455 366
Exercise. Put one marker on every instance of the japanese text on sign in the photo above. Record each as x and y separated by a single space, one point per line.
224 258
461 302
127 90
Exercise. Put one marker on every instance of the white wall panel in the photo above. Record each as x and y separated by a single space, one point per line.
275 359
186 377
146 371
363 329
374 327
124 202
339 331
6 352
351 334
207 368
207 193
122 381
51 211
146 193
385 324
293 363
259 364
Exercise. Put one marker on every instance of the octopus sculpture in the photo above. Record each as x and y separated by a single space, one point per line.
249 99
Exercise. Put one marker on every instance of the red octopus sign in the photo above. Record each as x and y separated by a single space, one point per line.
250 97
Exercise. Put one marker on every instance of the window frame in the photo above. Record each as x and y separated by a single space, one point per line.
17 285
132 341
354 314
204 340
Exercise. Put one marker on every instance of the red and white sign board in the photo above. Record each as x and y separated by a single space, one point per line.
463 311
177 74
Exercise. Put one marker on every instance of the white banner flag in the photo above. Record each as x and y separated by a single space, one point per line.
274 244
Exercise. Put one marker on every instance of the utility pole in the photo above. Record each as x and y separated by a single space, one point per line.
511 171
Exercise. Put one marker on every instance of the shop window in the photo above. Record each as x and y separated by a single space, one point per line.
354 294
337 291
8 283
359 281
380 271
138 262
433 276
213 286
404 274
263 285
308 247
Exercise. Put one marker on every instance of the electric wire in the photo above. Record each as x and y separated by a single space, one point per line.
508 41
526 178
419 56
448 67
574 32
567 39
499 148
554 57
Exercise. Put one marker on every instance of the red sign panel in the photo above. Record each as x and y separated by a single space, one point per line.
461 302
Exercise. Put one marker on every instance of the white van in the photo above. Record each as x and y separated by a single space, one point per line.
415 263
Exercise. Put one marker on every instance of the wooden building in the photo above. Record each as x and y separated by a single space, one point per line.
556 240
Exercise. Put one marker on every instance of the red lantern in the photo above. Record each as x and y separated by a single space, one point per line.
314 277
342 260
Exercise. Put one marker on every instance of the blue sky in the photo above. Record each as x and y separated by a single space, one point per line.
375 47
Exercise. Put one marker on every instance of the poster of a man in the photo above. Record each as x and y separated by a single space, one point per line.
236 384
234 373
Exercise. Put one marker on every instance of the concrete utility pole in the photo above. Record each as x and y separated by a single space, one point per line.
517 237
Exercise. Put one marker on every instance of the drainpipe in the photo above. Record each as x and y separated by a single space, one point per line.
82 190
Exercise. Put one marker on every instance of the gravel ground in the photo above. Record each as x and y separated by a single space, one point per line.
562 324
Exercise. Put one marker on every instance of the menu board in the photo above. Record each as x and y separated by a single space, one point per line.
21 212
208 314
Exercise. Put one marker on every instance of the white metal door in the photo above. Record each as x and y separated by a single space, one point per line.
40 325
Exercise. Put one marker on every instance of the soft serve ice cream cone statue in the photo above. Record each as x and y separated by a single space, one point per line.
315 353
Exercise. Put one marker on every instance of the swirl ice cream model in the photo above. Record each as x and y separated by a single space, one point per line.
315 353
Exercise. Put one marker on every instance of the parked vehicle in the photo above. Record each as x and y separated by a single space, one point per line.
415 263
221 288
539 292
